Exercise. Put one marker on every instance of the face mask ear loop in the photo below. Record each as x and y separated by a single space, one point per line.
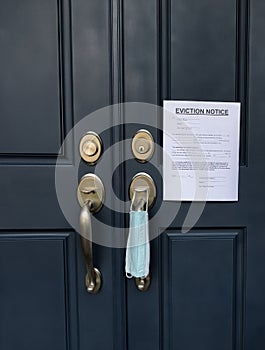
147 199
133 201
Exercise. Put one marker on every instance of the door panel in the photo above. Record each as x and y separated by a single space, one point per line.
37 290
203 50
202 289
92 56
30 50
141 60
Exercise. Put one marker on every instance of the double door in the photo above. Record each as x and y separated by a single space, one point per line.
61 62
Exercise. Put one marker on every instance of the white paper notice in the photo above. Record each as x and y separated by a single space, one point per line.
201 151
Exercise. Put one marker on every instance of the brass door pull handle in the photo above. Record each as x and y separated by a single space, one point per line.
93 275
90 194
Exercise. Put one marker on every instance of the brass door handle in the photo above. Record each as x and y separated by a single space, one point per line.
90 195
93 275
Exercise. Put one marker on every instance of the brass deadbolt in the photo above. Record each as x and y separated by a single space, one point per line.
143 145
90 147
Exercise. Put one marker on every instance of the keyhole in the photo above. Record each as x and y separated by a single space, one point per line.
141 149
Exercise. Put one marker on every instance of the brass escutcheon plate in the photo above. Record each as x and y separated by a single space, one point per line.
143 180
90 147
143 145
91 188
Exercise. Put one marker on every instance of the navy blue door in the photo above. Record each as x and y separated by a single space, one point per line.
62 60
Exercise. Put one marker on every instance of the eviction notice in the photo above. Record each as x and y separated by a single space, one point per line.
201 150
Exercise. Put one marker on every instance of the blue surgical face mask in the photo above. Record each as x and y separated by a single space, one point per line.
138 247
